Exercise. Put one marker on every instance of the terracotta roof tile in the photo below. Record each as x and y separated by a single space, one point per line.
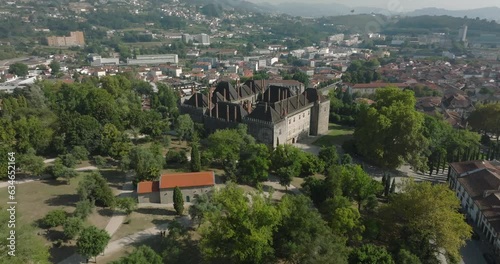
148 187
191 179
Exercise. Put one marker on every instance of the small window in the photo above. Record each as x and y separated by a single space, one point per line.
294 119
188 199
289 121
280 131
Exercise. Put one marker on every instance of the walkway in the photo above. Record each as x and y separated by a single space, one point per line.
43 177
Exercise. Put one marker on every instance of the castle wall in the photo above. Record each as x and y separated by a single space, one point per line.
196 113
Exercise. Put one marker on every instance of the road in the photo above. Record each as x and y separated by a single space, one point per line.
471 253
10 61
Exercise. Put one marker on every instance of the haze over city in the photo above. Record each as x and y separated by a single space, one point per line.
406 5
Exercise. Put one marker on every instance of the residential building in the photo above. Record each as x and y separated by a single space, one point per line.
202 39
99 61
162 191
370 88
75 38
477 186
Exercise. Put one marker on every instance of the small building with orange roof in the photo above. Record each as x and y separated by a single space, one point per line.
162 191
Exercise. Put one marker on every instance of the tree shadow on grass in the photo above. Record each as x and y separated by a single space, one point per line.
105 212
63 200
115 178
58 254
54 182
155 211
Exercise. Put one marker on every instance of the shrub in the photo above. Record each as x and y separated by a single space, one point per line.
72 227
83 209
54 218
178 157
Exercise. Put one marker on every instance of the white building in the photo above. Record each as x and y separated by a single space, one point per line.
154 59
99 61
477 185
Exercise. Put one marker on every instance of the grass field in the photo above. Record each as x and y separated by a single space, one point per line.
337 135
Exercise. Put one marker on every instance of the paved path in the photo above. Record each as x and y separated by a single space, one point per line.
42 177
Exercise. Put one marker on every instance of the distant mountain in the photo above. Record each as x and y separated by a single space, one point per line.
490 13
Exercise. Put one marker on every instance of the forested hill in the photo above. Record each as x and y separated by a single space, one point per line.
446 24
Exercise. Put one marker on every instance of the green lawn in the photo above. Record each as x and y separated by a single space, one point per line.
337 135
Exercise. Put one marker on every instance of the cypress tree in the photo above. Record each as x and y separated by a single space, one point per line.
178 201
195 158
384 179
393 186
387 186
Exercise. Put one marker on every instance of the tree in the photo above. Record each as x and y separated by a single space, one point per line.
80 153
241 232
29 247
329 156
223 146
389 132
302 235
178 201
343 218
99 161
202 204
92 242
354 183
95 188
68 174
68 160
141 255
301 77
406 257
19 69
393 186
54 218
424 218
127 204
55 66
195 157
32 163
346 159
370 254
83 209
184 127
72 227
254 164
486 119
145 163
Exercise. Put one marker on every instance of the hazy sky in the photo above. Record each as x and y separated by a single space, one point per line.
405 5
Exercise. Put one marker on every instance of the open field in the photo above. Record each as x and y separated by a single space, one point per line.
337 135
35 199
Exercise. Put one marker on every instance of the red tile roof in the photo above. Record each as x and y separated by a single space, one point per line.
378 85
148 187
191 179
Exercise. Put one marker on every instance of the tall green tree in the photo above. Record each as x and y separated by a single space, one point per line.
254 164
92 242
242 231
178 201
195 157
302 236
390 132
72 227
202 204
95 188
184 127
486 119
425 217
55 66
